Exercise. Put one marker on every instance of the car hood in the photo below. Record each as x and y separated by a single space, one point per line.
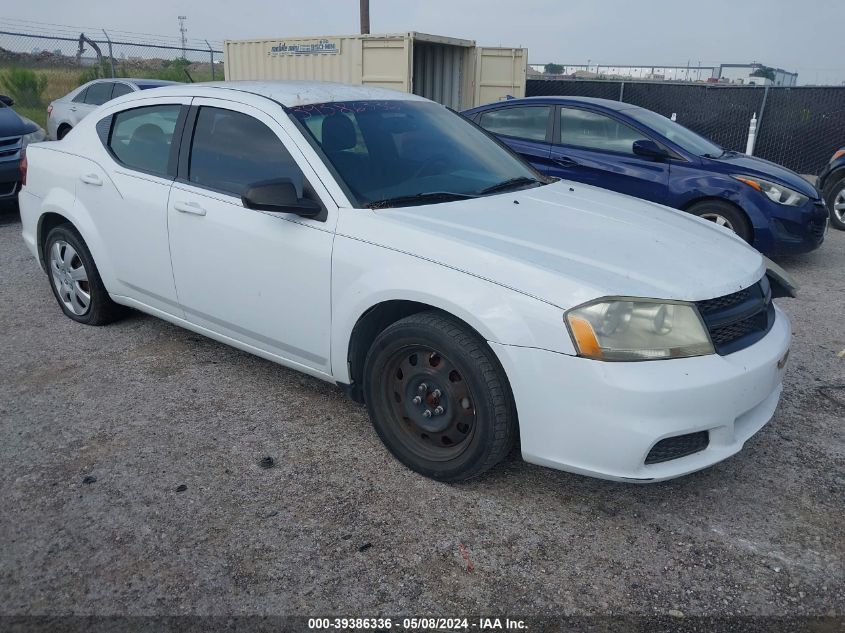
740 164
13 125
568 243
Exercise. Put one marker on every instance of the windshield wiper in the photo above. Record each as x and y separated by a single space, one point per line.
510 184
420 198
708 155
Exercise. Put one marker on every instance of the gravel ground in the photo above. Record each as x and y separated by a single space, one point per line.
178 516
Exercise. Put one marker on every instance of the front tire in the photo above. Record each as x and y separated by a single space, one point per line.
724 214
75 280
438 397
835 198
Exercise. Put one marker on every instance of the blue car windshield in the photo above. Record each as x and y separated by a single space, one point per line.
403 152
678 134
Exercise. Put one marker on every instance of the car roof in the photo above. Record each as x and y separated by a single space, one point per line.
288 93
134 80
609 104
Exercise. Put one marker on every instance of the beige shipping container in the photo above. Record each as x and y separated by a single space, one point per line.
451 71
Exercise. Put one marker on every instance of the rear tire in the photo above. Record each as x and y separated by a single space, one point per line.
75 280
64 128
834 196
438 397
724 214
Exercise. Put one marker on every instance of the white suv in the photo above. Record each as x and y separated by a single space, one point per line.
377 240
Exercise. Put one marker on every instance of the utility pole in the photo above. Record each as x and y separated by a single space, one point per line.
365 17
184 32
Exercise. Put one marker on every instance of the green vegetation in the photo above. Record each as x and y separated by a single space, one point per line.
25 86
553 69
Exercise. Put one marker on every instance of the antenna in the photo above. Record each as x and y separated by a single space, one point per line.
184 31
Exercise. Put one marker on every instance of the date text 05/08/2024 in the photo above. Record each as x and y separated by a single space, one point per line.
412 624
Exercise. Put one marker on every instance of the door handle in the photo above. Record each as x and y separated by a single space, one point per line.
91 179
189 207
72 109
565 161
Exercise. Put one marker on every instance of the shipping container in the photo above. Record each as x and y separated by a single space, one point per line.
451 71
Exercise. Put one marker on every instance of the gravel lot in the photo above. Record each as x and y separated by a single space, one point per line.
337 526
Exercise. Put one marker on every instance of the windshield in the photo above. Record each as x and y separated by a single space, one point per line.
678 134
410 152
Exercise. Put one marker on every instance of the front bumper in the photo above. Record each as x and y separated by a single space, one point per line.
602 419
781 230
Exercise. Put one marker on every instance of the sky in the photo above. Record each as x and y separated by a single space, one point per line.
803 36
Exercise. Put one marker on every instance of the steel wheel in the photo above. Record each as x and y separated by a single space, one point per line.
70 277
431 402
718 219
839 206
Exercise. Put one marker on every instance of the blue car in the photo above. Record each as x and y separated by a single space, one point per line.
635 151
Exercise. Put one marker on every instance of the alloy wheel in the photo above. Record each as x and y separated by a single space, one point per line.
70 277
719 219
839 205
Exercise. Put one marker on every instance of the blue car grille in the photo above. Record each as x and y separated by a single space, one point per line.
10 148
740 319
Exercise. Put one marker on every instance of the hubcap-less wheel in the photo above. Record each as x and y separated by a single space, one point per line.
721 220
70 277
839 206
431 402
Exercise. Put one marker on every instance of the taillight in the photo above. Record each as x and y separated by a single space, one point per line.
23 169
49 110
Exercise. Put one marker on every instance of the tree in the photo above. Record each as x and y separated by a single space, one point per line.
553 69
765 72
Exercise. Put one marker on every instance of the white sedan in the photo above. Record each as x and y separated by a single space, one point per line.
377 240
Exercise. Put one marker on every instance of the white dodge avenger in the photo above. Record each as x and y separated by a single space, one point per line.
382 242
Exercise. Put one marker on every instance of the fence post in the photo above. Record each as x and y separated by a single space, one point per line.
111 53
622 91
211 56
752 135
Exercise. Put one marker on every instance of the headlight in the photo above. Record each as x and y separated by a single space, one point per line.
33 137
775 193
637 329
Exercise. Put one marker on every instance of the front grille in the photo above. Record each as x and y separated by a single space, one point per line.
711 305
678 446
740 319
10 147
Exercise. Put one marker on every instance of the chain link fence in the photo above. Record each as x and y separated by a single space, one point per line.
41 67
797 127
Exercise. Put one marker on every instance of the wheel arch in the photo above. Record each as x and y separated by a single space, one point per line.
368 326
708 198
46 223
832 178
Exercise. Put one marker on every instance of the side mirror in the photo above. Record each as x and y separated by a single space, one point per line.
649 149
279 196
6 100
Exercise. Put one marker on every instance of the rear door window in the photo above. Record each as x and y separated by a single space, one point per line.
120 90
99 93
141 138
527 122
231 151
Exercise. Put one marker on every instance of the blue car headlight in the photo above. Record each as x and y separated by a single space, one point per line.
774 192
